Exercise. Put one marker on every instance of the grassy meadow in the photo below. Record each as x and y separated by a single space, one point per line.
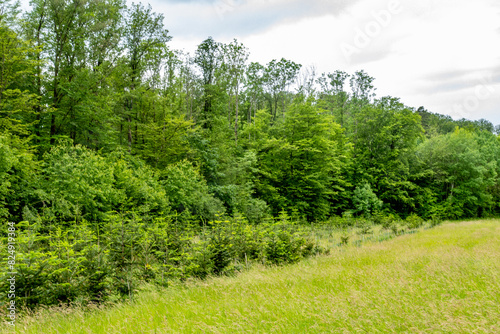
440 280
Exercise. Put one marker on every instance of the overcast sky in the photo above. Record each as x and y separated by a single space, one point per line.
440 54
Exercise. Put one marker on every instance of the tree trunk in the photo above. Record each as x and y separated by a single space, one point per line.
236 119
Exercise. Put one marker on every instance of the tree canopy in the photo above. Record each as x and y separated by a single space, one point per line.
99 114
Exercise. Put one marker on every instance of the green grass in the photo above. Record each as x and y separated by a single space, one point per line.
329 236
441 280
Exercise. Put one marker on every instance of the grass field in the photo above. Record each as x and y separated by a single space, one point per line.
441 280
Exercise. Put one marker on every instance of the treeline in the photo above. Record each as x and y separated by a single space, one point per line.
100 119
91 97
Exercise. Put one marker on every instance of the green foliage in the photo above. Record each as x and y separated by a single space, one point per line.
237 189
286 245
460 172
138 186
79 183
18 172
187 190
277 76
300 298
413 221
76 182
385 135
299 162
165 141
16 98
366 201
62 265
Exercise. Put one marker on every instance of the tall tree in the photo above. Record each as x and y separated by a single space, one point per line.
235 56
278 76
387 135
9 12
299 162
362 87
254 90
460 171
208 59
79 39
17 99
145 42
191 84
333 94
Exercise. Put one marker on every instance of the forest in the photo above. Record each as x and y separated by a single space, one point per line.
123 160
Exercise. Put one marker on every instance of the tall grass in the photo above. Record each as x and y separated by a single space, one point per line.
442 280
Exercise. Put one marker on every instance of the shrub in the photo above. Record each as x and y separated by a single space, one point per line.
138 186
366 201
78 183
18 171
63 266
413 221
187 191
285 243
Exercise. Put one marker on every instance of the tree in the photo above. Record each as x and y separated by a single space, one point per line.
17 100
191 86
365 201
165 137
299 162
386 136
234 60
435 124
145 41
79 40
79 183
208 59
278 76
9 12
306 82
361 86
333 95
460 169
187 191
18 173
254 90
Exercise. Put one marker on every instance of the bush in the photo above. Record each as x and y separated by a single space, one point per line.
187 191
285 243
366 201
78 183
18 171
413 221
138 186
60 267
281 248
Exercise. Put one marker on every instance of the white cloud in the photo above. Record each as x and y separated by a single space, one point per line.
230 18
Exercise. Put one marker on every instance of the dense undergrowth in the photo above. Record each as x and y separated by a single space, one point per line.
80 263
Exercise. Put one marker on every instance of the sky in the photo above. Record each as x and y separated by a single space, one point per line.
443 55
